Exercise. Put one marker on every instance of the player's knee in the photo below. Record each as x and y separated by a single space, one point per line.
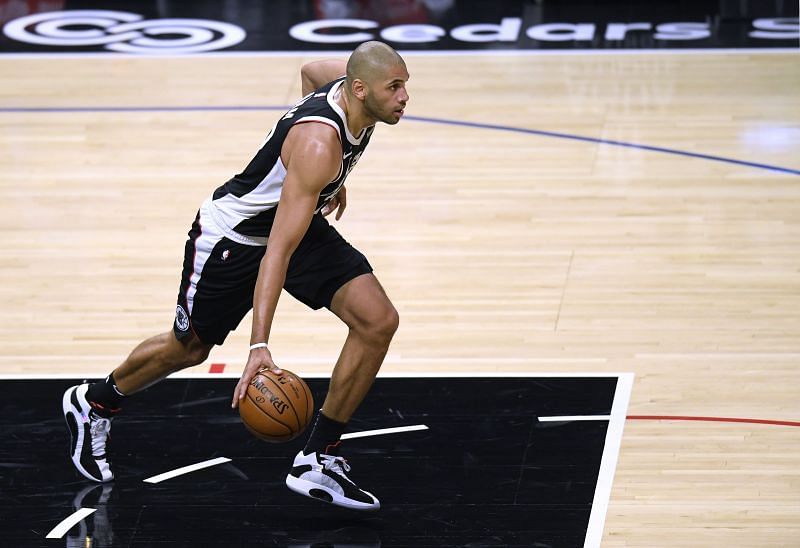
189 354
391 321
382 324
196 355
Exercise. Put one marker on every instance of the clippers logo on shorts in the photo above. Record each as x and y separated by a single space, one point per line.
123 32
181 318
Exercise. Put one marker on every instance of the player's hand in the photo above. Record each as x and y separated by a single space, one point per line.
337 202
259 359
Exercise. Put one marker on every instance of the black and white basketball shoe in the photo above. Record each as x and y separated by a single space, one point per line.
323 477
89 434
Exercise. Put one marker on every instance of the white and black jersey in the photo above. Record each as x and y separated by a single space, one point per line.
228 238
245 205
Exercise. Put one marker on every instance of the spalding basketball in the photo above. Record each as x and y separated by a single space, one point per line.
277 408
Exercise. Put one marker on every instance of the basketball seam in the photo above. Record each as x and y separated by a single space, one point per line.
289 401
289 428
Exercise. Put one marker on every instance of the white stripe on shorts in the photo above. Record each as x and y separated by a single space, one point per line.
204 244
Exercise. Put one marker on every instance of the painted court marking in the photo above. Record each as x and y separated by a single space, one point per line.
608 462
382 431
69 522
187 469
570 418
712 419
427 119
216 368
222 460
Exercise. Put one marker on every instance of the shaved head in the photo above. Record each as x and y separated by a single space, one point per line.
370 61
376 83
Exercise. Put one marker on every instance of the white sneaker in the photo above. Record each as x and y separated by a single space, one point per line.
89 433
323 477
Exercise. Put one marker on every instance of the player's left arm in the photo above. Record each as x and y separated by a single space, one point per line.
316 74
312 156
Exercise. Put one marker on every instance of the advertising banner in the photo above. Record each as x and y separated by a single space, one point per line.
425 25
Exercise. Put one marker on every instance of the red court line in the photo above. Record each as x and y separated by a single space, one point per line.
217 368
710 419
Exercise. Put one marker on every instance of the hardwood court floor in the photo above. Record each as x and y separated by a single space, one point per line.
503 250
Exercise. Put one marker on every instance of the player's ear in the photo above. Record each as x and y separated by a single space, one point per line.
359 89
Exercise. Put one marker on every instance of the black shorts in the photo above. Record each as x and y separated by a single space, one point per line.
219 275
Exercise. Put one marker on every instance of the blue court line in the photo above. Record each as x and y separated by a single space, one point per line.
606 142
444 121
139 109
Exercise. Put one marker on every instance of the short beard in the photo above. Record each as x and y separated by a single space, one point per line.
375 113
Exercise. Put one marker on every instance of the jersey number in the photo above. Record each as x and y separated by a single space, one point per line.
290 114
286 116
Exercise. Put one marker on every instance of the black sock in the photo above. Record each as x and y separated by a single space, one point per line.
104 397
325 436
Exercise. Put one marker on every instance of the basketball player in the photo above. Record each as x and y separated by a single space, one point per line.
264 230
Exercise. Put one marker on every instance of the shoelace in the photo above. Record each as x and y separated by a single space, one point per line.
335 464
100 430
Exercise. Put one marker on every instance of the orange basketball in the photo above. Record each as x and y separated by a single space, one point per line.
277 408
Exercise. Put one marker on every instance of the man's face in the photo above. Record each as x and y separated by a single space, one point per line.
387 96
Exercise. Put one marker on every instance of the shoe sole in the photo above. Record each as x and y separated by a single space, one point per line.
76 432
305 488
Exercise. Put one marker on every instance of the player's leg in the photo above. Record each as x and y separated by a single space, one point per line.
372 321
156 358
215 294
89 408
326 271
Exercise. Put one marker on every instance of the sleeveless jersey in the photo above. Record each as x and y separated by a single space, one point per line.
246 204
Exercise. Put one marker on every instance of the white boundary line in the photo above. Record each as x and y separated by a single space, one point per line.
296 361
382 431
608 463
445 375
69 522
571 418
186 469
406 53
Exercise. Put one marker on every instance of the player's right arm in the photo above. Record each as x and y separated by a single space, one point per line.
316 74
312 155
